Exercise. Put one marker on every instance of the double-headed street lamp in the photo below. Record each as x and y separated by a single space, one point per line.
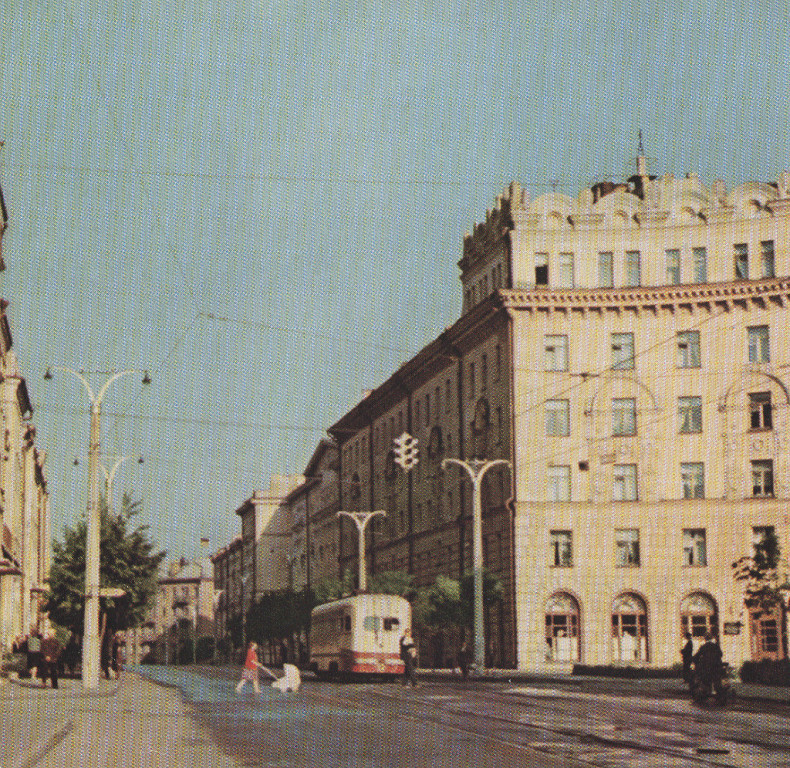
476 469
90 639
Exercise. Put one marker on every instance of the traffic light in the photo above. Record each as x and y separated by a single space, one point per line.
406 451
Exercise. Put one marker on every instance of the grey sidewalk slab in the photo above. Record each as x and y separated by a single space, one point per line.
125 724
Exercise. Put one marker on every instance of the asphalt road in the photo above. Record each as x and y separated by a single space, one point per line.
478 723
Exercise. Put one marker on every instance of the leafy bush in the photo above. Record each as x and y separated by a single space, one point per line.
766 672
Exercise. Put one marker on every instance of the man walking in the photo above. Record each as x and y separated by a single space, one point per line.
50 655
408 653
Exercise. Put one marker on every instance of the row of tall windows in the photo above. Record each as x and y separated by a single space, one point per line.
486 284
632 266
688 350
478 375
689 415
625 485
627 552
629 621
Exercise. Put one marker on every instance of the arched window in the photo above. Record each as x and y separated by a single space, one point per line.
481 429
562 628
629 628
698 616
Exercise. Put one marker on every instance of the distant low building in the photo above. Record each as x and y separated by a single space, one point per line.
182 615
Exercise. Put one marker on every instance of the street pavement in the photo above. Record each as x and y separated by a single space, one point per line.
154 719
126 723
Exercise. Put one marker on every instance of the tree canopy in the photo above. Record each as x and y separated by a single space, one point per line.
763 574
128 561
450 602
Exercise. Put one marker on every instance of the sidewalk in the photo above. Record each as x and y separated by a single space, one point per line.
126 723
659 685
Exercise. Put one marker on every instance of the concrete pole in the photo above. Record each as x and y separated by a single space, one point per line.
90 637
476 469
361 519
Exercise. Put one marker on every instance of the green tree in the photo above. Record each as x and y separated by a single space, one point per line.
392 583
333 588
764 575
128 561
449 603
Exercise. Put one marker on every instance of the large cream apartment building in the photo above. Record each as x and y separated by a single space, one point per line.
626 350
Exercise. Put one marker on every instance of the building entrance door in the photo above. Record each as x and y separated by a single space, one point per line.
768 634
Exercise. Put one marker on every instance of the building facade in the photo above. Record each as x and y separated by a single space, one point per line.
227 563
183 613
627 352
25 547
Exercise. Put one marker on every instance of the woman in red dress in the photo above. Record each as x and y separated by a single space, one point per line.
249 672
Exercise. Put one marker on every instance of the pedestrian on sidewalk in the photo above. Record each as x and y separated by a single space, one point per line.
249 672
408 653
686 653
33 652
50 655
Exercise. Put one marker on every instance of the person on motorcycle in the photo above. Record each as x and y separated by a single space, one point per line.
708 665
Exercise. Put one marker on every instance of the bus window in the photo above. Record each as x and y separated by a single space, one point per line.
391 624
371 623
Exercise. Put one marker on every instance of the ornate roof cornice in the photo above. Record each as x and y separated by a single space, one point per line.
649 297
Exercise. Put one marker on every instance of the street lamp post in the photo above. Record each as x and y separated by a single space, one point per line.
361 519
90 638
476 469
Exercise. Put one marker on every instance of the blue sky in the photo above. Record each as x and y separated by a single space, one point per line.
263 203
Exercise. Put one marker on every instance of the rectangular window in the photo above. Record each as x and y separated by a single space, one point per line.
633 268
689 415
427 409
448 395
627 547
760 534
767 253
760 411
498 363
605 270
673 266
541 269
471 381
693 478
759 348
695 550
484 373
561 554
624 416
622 351
624 487
700 256
763 478
565 277
688 349
436 393
555 353
559 483
741 261
557 418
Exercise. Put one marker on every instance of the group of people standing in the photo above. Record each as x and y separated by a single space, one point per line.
706 663
43 655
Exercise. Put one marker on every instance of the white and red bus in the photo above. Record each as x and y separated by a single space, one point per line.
358 635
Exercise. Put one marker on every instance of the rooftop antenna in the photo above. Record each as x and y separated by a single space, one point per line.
641 160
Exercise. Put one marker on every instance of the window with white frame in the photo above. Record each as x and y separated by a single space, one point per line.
763 477
624 416
622 351
692 476
633 268
557 418
767 258
759 344
741 256
605 270
561 552
624 483
760 414
673 266
555 353
688 349
559 483
627 547
700 258
565 276
689 415
695 551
